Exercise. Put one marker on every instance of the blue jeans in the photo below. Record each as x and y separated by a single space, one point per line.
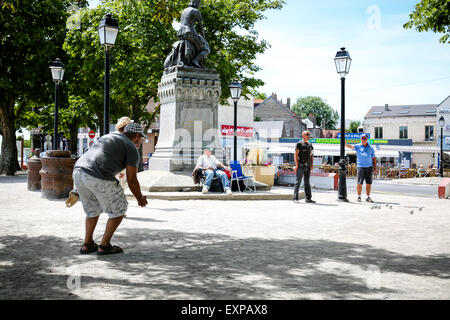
217 173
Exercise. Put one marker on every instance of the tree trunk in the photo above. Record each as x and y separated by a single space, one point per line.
8 158
73 128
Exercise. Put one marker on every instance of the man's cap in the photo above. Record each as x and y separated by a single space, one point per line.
122 122
208 148
364 137
134 128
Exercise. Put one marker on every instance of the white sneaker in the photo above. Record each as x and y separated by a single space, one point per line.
205 190
228 192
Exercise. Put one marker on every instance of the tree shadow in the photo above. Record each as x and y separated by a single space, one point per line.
14 179
166 264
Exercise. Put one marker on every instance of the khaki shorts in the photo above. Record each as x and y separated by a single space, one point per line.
99 196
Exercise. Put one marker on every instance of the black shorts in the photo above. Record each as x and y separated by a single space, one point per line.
365 174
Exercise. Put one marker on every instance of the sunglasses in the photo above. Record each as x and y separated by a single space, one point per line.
308 135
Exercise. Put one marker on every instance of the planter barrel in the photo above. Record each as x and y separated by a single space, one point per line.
34 177
56 175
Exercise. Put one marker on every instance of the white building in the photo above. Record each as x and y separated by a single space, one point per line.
415 122
245 126
443 110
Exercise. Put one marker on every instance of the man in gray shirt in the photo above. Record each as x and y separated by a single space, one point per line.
94 178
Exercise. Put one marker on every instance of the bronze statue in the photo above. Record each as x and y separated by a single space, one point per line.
191 48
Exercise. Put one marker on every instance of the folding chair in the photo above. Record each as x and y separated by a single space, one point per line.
237 175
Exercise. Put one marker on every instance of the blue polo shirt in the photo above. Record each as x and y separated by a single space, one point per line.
364 155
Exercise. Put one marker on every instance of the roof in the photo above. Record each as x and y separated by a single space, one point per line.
420 110
283 106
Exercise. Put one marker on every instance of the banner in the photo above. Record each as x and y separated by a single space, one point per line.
241 131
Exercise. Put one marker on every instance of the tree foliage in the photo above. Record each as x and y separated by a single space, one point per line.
317 106
431 15
354 126
34 32
31 36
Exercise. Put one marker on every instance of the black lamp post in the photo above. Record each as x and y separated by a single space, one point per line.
343 62
57 69
108 30
441 166
236 90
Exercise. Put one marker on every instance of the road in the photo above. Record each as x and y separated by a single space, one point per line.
387 187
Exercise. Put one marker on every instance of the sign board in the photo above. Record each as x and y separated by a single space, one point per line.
354 135
392 142
446 145
91 134
91 143
241 131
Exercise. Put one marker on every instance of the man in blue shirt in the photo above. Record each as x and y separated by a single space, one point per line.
366 164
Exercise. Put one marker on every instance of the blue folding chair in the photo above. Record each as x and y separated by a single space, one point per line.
237 175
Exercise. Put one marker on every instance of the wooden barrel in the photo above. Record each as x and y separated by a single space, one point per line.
56 177
34 177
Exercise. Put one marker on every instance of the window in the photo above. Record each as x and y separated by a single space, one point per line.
379 133
403 132
429 133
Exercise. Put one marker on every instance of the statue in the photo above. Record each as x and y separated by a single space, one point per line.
191 48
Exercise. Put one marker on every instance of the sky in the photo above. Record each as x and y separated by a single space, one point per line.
389 64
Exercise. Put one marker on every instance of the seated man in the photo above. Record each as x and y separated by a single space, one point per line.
421 172
208 163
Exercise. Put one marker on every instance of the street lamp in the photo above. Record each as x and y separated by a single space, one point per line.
57 69
441 166
236 90
343 63
108 30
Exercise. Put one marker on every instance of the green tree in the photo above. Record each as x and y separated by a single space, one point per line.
317 106
31 36
354 126
260 96
145 39
431 15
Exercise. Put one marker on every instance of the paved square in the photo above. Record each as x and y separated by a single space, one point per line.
228 250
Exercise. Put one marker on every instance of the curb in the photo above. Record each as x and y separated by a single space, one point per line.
178 196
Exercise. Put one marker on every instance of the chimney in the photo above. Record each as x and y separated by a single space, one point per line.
313 119
323 124
288 103
386 107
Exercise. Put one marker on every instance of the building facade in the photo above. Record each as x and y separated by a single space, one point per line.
272 109
245 127
415 122
443 110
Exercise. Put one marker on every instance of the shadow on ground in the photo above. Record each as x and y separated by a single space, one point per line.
165 264
14 179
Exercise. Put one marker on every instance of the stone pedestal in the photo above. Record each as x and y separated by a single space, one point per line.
188 119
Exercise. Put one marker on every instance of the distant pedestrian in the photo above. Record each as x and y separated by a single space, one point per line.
303 166
366 166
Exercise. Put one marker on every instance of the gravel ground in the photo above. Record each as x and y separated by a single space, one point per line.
229 250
